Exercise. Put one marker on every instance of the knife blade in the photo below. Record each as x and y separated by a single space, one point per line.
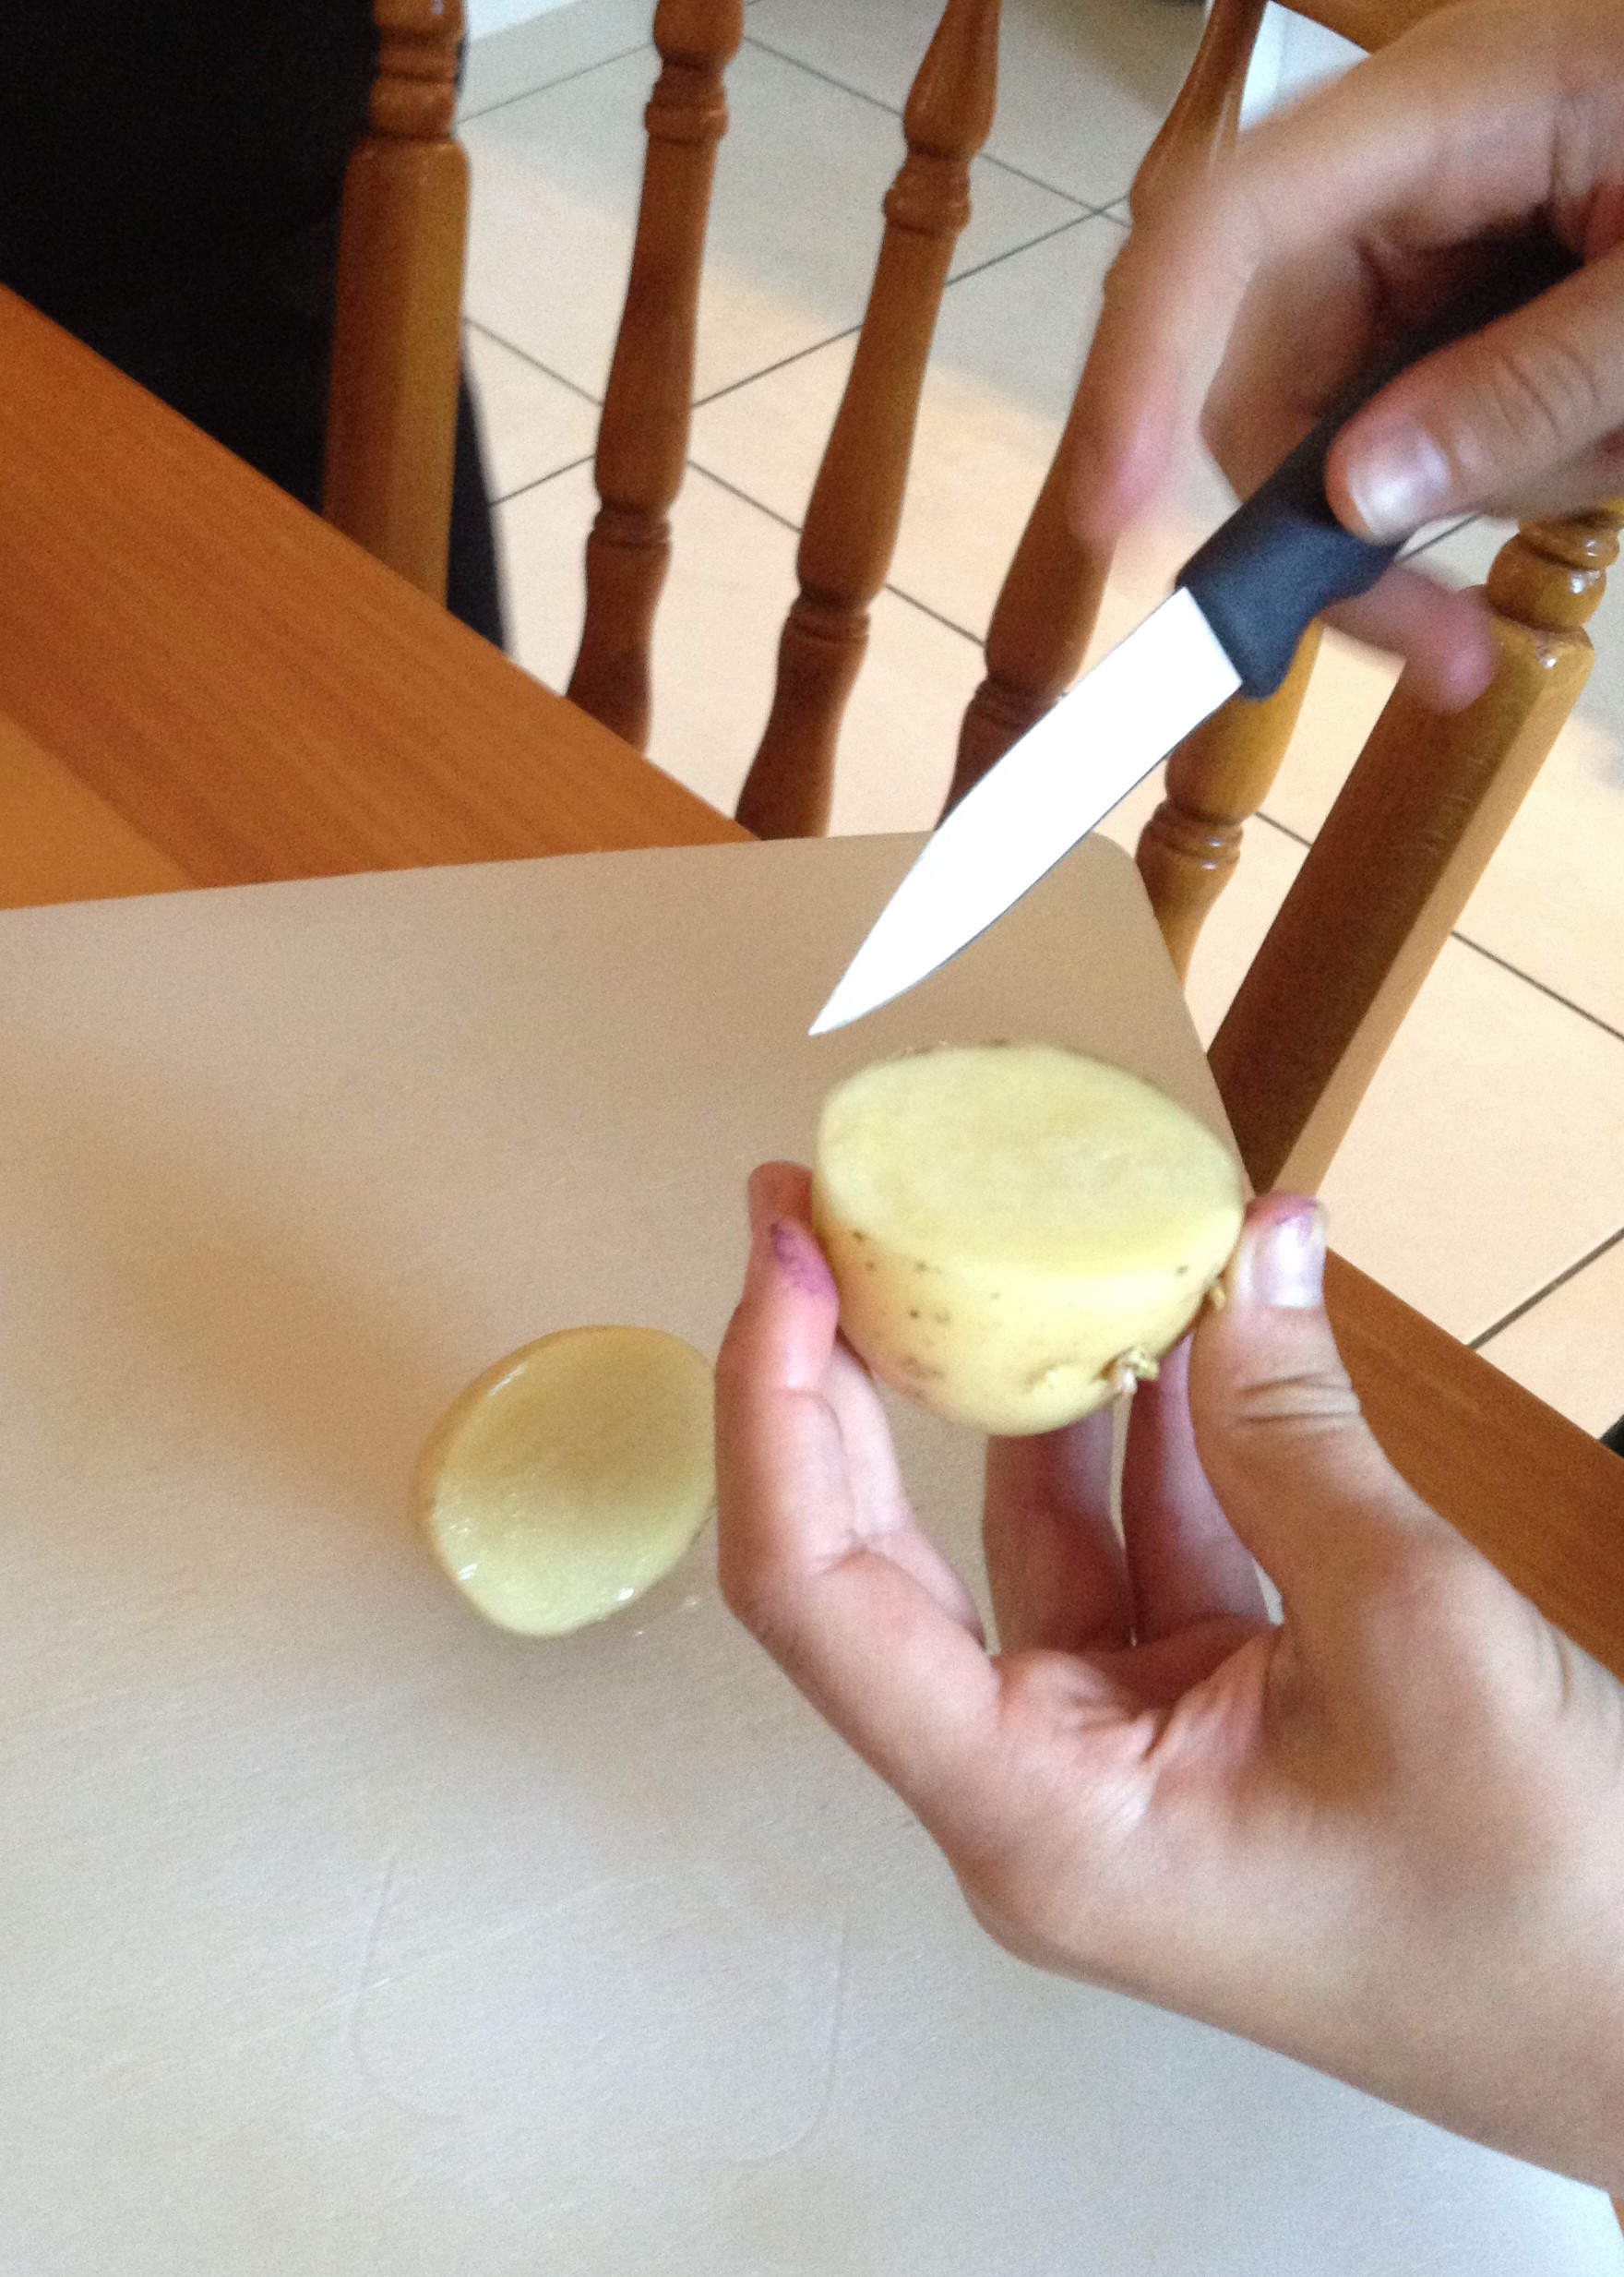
1240 605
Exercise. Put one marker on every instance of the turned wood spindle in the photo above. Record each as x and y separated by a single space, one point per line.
1386 880
1205 116
856 504
1218 776
1038 634
1046 612
1216 780
643 436
397 349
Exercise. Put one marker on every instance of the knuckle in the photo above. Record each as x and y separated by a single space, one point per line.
1437 1610
1539 393
1222 430
737 1584
1607 459
1002 1915
760 1609
737 1371
745 1587
1309 1400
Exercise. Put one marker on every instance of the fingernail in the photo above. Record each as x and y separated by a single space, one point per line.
800 1259
1281 1260
1399 482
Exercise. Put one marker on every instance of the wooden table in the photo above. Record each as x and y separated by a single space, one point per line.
203 686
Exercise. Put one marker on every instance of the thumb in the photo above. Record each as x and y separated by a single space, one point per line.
1277 1422
1525 413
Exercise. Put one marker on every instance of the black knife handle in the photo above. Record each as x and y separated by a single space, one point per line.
1283 557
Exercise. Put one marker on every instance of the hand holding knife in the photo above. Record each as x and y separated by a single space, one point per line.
1239 607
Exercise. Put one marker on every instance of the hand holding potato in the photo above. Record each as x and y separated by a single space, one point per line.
1386 1837
1244 302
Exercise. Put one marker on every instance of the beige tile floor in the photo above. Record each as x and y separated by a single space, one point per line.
1484 1179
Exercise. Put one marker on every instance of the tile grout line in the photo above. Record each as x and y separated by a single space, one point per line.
794 356
473 324
1086 209
897 592
1453 529
540 481
850 332
936 616
1492 956
815 71
505 102
1544 987
1568 1273
695 466
1075 221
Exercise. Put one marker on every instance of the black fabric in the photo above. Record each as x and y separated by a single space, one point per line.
473 585
1615 1437
170 178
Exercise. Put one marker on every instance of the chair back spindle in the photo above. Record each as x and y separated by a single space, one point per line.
1047 609
1391 870
1205 116
1216 780
1218 777
856 504
643 437
1038 634
397 334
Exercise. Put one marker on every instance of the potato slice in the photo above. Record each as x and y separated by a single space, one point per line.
1007 1222
571 1476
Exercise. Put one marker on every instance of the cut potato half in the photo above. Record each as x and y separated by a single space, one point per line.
571 1476
1011 1224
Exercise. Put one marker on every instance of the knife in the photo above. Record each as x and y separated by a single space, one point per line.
1239 607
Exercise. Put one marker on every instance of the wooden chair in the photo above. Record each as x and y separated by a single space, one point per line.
397 335
1429 798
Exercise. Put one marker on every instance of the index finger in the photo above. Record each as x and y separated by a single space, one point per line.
906 1683
1392 157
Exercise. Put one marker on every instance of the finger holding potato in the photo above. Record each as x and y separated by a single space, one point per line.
1385 1836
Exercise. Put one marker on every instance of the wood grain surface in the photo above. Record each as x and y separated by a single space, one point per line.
60 842
247 689
1539 1496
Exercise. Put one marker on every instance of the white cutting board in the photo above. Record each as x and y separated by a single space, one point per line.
341 1934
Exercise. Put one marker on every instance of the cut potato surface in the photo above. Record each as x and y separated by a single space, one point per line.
571 1476
1008 1222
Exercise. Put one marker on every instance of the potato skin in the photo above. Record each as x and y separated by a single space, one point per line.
1018 1343
1011 1362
